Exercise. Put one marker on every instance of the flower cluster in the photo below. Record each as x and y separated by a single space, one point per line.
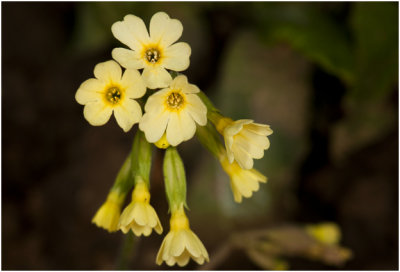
168 110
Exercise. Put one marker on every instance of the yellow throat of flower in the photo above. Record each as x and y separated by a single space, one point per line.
141 193
175 100
179 220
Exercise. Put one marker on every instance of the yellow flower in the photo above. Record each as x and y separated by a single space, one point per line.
139 215
174 110
155 52
111 91
181 243
108 215
244 140
243 181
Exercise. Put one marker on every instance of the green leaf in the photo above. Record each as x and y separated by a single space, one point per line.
375 28
311 30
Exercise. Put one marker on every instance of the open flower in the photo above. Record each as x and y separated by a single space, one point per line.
181 243
139 215
243 181
108 215
112 92
155 52
174 110
244 140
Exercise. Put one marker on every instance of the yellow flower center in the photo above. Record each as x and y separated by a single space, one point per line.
152 55
113 95
175 101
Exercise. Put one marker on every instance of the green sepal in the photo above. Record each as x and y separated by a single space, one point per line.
141 156
174 178
210 138
124 181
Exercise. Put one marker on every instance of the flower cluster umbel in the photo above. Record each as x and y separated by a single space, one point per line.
174 111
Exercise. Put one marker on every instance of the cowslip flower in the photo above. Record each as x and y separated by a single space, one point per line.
108 214
181 243
112 92
174 110
244 140
139 216
153 53
243 181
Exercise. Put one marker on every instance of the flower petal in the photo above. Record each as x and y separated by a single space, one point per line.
242 157
176 57
196 109
128 114
97 113
108 71
181 127
260 129
165 30
133 83
153 125
89 91
156 77
131 32
128 58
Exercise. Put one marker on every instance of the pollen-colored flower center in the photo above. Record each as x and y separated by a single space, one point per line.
152 55
175 100
113 95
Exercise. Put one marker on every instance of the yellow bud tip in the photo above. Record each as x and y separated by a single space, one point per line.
162 143
326 233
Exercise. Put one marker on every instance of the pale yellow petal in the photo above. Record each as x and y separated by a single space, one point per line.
89 91
154 125
133 83
128 114
242 157
183 259
108 71
176 57
128 58
155 103
156 77
131 32
196 109
161 251
165 30
126 216
251 145
260 129
97 113
259 140
174 130
177 244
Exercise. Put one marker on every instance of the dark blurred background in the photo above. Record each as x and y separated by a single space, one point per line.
323 75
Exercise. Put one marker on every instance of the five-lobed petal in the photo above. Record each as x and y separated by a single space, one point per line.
174 110
181 244
111 91
243 181
245 141
154 52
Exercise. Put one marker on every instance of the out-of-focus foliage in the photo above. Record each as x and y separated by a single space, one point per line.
311 30
268 248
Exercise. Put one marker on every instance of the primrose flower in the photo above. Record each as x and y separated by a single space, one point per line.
112 92
174 110
181 243
139 215
153 53
243 181
244 140
108 215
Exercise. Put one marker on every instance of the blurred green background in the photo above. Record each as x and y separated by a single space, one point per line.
323 75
